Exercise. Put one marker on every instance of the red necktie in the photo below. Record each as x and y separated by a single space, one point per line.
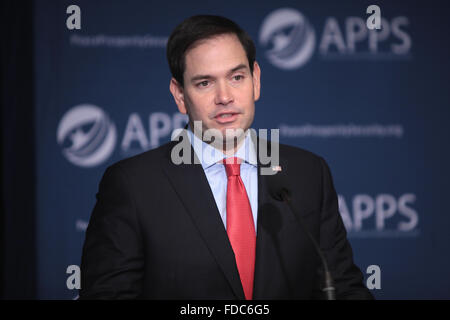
240 226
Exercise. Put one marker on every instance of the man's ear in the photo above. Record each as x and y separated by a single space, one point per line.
178 94
256 80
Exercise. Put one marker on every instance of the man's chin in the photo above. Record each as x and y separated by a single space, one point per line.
223 136
233 132
233 136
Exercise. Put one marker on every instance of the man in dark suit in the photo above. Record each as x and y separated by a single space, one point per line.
212 227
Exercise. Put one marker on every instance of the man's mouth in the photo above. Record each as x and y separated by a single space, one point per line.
226 117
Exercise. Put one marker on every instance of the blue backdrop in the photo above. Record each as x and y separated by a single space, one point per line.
374 104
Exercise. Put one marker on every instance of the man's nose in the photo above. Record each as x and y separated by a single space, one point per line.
223 94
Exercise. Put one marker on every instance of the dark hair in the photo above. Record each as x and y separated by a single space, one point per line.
202 27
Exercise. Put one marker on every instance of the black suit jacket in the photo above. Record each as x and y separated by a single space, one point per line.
156 233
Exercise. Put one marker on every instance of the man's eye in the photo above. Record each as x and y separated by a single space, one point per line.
238 77
203 84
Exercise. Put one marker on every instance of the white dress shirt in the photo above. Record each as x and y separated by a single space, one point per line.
210 159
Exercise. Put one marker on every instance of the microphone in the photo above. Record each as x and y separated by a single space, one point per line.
279 191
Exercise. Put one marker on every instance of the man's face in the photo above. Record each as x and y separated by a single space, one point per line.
219 89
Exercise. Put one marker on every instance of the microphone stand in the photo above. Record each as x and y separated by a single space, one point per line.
329 289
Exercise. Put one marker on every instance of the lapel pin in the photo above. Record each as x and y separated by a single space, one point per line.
276 168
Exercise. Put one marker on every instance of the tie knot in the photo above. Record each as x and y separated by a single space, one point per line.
232 167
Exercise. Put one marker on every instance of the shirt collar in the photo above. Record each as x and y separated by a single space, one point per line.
208 155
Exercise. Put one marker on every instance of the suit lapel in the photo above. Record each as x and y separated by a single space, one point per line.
263 275
263 278
191 185
274 225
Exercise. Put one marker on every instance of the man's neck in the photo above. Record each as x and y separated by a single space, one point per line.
236 144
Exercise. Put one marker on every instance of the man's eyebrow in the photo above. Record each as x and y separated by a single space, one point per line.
200 77
206 76
239 67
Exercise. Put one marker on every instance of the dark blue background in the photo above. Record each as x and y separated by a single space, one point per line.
409 90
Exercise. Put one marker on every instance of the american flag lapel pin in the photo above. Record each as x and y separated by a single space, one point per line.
276 168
